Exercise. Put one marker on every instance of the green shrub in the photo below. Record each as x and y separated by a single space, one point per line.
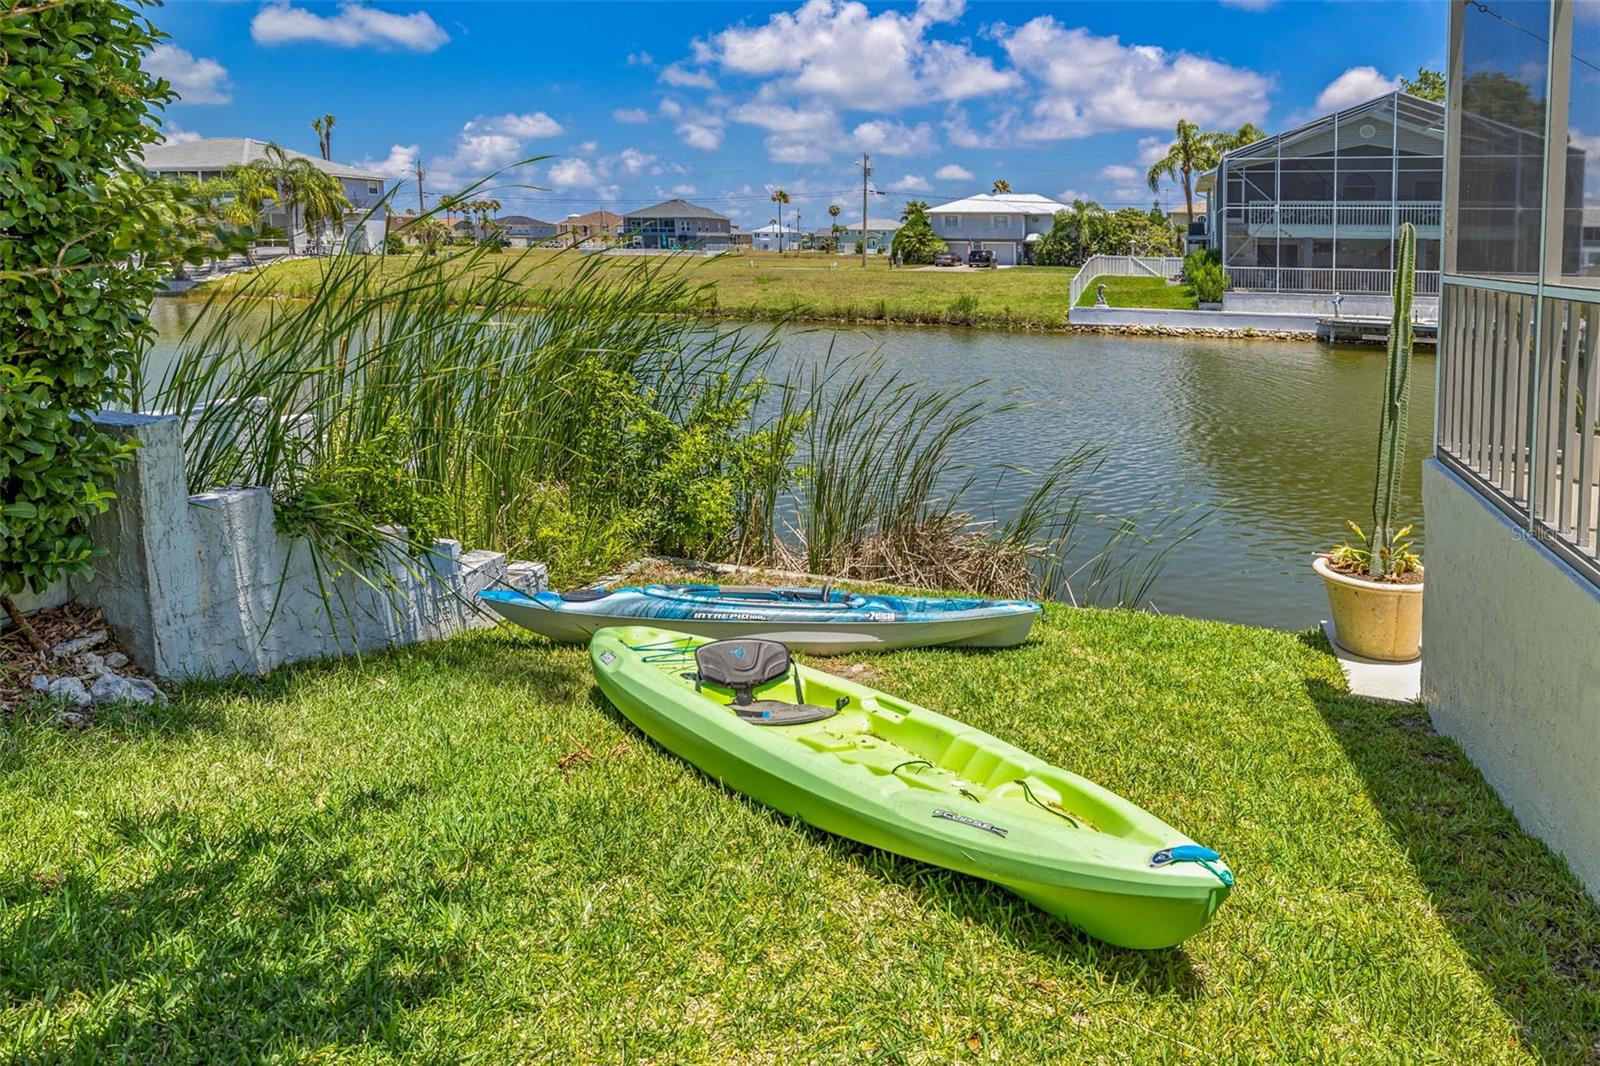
84 241
1209 282
393 245
1196 259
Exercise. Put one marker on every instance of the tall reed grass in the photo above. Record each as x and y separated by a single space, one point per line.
605 422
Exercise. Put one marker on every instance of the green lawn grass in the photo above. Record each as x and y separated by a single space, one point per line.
460 852
807 285
1142 292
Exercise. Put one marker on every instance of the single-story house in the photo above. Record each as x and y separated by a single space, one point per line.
677 224
880 234
361 230
1000 224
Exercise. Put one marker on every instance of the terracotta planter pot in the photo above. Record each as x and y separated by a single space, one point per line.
1374 619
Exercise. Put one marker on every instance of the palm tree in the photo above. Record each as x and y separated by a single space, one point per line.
1192 151
780 198
482 213
833 212
1084 219
324 128
1001 187
913 209
303 190
1249 133
242 193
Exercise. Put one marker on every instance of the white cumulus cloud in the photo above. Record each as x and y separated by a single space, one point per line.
706 137
837 50
893 138
176 134
1093 84
1355 86
354 25
399 163
637 116
911 183
568 173
196 81
781 149
684 78
953 172
533 124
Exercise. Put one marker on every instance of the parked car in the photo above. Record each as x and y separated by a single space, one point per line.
947 259
979 258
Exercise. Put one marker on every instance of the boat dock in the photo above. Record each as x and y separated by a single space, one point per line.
1347 330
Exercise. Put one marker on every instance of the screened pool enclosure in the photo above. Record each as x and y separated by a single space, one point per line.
1316 209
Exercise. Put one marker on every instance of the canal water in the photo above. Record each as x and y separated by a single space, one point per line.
1277 440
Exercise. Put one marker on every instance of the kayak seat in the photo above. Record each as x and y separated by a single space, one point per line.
742 664
584 595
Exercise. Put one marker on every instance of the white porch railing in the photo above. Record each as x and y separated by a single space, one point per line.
1521 417
1325 279
1122 266
1422 214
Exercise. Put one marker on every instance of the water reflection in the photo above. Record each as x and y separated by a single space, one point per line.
1278 438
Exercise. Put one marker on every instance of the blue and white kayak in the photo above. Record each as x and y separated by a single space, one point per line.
822 621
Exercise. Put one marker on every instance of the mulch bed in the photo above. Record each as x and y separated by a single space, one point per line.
19 663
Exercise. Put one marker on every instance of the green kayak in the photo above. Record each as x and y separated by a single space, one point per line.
876 769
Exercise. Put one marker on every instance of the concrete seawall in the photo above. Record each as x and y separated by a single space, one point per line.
205 585
1176 322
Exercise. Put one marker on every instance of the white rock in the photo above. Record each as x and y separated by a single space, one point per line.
109 688
80 644
69 690
115 661
89 665
39 683
142 691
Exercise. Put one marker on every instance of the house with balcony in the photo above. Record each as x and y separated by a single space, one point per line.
774 238
1511 626
1007 224
362 229
1312 213
675 225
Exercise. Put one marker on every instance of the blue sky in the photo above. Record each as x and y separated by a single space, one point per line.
722 102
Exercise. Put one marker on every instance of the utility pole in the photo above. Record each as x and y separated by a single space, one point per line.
421 209
866 172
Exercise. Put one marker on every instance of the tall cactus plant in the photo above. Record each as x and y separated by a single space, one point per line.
1396 402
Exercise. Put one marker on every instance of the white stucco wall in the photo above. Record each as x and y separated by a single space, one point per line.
1511 666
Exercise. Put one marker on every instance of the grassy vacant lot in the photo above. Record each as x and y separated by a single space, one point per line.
1142 292
804 285
462 853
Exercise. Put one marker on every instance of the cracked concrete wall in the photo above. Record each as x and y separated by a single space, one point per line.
206 586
